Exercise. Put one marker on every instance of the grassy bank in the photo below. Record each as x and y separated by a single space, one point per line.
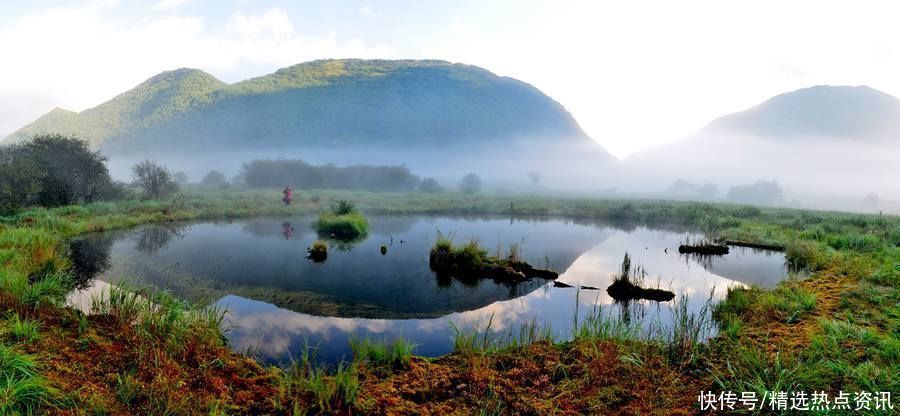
837 330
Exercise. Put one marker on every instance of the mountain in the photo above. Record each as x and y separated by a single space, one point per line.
830 140
331 111
847 112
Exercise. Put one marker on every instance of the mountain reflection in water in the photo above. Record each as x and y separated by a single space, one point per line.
278 301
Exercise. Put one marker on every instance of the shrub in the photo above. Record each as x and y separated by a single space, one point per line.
318 252
343 207
470 184
444 256
346 226
214 178
430 186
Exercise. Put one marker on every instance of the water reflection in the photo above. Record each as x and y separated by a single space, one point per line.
279 301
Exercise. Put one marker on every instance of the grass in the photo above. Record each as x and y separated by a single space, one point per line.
22 390
343 227
22 330
395 354
464 259
837 329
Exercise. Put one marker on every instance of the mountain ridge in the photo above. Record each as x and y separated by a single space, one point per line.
837 111
176 92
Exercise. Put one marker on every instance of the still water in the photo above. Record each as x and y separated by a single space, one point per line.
278 301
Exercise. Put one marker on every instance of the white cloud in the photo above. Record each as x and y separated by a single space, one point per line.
640 73
169 4
271 22
369 12
89 56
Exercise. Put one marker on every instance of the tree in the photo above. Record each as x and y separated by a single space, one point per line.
534 177
214 178
180 177
52 170
470 184
430 186
154 180
19 181
761 193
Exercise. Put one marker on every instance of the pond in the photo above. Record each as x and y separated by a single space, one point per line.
278 301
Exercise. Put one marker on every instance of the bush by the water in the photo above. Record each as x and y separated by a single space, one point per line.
346 226
343 207
318 252
467 257
301 175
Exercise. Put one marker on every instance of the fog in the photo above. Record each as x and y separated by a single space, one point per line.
812 172
575 165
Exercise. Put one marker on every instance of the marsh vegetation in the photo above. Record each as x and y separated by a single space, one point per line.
844 311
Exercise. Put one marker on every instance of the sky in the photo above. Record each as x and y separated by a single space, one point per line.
633 73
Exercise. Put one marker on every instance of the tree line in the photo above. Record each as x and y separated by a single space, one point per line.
55 170
268 173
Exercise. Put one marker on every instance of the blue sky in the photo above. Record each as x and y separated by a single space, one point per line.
634 74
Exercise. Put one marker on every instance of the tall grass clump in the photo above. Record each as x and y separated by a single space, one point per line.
394 354
22 390
469 257
161 317
787 303
686 339
22 330
345 226
329 392
343 207
599 327
38 291
802 254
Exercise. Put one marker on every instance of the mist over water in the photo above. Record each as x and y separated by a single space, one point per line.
812 172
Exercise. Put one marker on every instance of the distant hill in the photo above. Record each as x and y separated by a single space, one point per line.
822 111
829 140
325 106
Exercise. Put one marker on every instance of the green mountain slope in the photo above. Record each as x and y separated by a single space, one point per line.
323 104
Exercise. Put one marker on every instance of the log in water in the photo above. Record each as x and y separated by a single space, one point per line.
708 249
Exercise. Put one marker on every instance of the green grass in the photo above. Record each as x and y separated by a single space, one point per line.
787 303
23 330
159 317
395 354
856 348
345 226
127 388
22 390
465 258
329 390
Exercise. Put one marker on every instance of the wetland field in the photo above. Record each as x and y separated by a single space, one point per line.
215 289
